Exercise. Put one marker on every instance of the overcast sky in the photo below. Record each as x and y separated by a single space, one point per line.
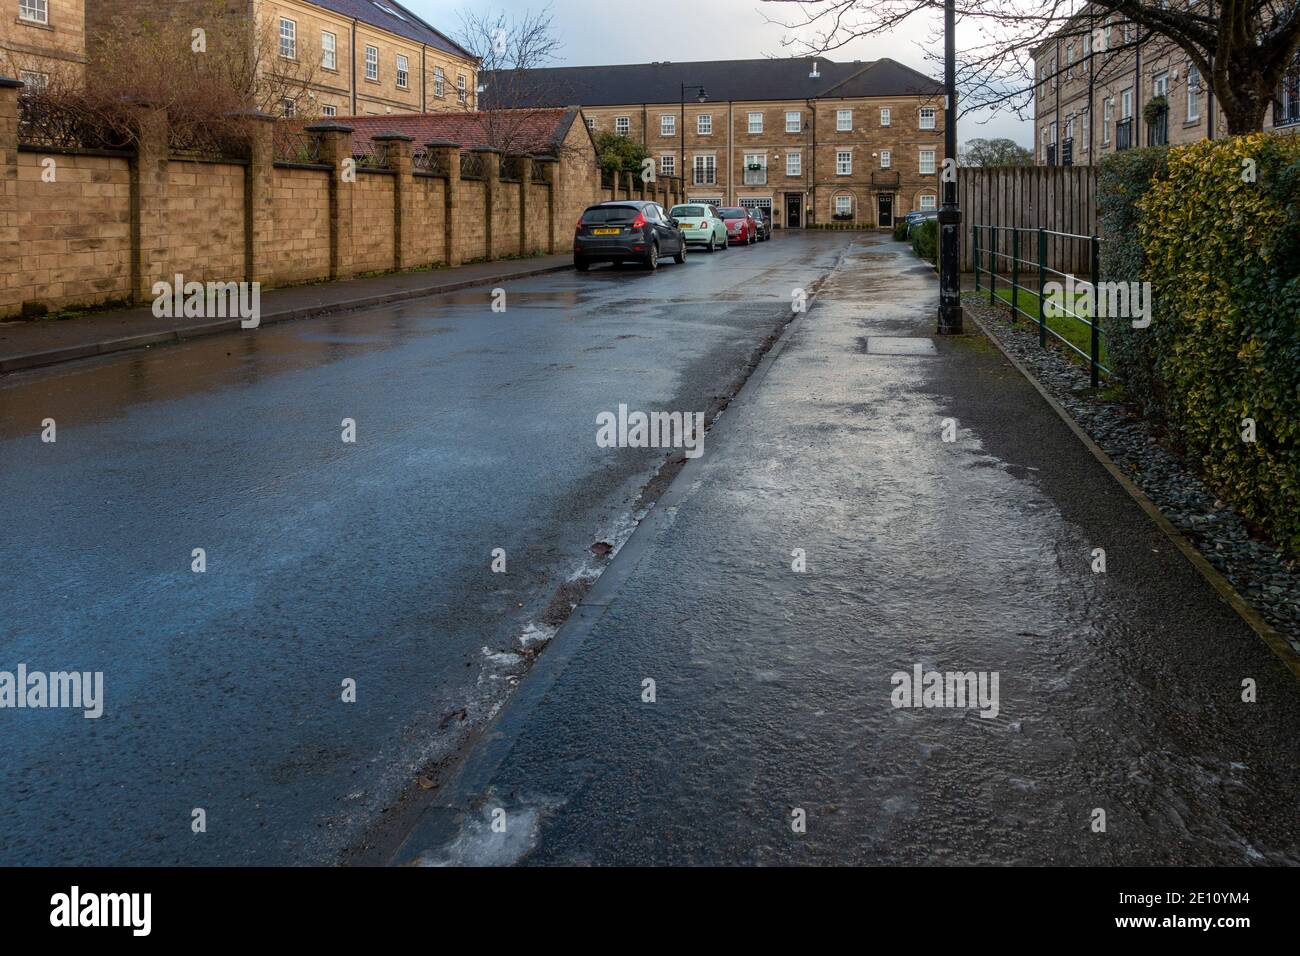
600 31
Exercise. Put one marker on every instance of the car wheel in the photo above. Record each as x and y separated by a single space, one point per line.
712 246
652 257
680 258
581 264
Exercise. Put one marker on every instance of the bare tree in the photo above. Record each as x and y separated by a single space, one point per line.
204 62
995 152
510 95
1243 47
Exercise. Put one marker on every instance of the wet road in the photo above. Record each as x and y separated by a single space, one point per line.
325 561
1119 693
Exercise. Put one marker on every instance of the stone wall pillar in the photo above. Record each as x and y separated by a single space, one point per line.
446 157
551 174
149 175
525 161
491 159
626 177
259 198
10 258
336 152
400 152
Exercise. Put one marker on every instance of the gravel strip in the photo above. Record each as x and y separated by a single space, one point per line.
1257 569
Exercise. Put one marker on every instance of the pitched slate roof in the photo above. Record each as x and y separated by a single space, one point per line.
763 79
533 131
392 16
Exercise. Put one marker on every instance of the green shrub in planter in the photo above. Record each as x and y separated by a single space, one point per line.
1122 180
1223 258
925 239
900 230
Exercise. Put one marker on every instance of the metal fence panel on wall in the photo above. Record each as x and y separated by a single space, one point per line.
1062 199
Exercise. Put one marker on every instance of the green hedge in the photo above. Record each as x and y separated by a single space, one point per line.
1123 179
1222 255
900 230
925 239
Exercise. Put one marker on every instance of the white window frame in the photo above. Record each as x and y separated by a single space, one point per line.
372 63
439 82
591 123
288 39
704 124
844 162
33 81
288 108
623 125
928 201
1107 118
1126 104
329 46
759 159
667 124
844 121
462 91
34 11
1086 128
884 115
1193 93
843 206
755 123
403 72
922 162
668 165
886 158
794 163
329 110
708 164
928 112
795 118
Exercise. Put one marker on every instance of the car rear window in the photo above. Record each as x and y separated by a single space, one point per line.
679 211
732 213
610 214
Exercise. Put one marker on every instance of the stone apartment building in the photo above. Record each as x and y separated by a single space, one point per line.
348 57
810 140
42 39
1098 90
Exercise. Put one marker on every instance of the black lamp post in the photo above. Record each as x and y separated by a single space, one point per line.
681 124
950 322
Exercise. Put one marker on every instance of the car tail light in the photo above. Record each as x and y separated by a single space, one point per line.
639 221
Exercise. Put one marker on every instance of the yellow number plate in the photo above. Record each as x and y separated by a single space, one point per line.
605 232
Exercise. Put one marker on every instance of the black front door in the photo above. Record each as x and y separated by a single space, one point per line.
793 210
886 210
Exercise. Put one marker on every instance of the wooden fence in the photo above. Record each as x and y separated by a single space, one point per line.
1060 198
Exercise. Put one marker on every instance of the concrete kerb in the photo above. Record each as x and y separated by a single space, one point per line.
1267 633
466 790
72 352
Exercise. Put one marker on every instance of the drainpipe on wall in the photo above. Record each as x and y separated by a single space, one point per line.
353 53
732 196
424 67
1056 82
1209 90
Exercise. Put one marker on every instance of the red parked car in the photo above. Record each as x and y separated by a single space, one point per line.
740 225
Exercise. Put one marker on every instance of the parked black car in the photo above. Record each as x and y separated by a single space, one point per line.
629 230
761 216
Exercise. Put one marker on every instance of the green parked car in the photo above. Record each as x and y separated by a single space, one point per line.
701 225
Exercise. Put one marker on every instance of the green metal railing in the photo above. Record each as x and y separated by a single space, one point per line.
1000 255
